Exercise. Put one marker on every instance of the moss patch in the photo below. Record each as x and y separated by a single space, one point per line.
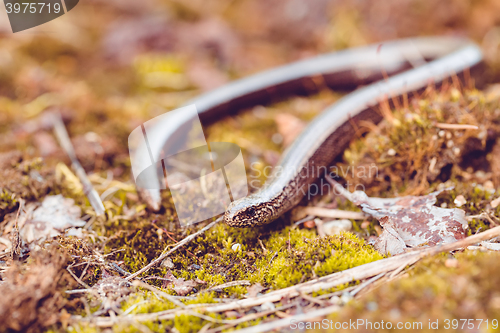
431 290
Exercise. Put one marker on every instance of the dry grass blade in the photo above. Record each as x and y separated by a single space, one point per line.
230 284
65 142
16 238
456 126
163 294
366 284
286 322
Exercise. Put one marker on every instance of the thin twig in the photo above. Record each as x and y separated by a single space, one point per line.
77 291
337 293
249 317
398 270
313 299
230 284
272 258
456 126
63 138
77 278
163 294
483 215
16 237
166 253
132 307
366 284
118 269
286 322
305 219
264 250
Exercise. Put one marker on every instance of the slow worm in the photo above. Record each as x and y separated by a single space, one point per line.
384 70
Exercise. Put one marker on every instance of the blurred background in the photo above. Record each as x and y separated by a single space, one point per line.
108 66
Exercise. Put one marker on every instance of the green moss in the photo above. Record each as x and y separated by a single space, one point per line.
466 289
277 255
308 255
7 200
148 303
83 328
421 152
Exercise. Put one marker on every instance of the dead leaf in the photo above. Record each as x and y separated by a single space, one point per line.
111 287
109 291
180 286
254 290
55 215
410 221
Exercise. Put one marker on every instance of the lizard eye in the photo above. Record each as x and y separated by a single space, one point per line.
251 211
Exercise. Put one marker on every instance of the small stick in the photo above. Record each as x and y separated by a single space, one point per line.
249 317
305 219
313 299
77 291
65 142
399 270
264 250
366 284
76 277
230 284
456 126
272 258
16 238
163 294
286 322
166 253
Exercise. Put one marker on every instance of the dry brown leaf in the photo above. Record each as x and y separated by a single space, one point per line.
254 290
411 221
110 291
49 219
180 286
